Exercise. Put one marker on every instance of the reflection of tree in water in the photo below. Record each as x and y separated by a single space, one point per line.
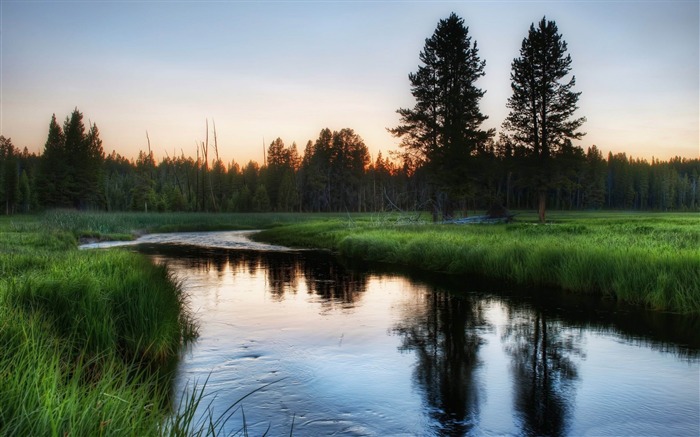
282 274
325 277
444 334
543 370
332 282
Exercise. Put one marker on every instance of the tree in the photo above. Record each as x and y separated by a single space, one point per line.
25 196
53 173
72 173
442 130
542 104
349 160
594 183
9 176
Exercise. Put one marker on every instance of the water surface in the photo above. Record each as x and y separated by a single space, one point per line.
341 350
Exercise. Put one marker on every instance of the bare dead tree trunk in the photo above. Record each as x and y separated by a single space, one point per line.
216 151
196 188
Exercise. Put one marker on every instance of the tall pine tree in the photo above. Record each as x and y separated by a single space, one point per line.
442 131
53 170
543 103
72 165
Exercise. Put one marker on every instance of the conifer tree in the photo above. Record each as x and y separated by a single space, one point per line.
543 103
71 170
9 177
442 131
53 170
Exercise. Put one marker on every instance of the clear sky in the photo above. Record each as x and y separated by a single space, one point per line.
262 70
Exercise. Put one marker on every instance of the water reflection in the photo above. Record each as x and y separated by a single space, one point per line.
445 334
360 351
543 354
323 276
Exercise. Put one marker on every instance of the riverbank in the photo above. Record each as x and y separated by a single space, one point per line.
88 340
648 259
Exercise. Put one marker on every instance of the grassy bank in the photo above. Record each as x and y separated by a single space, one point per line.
87 339
646 259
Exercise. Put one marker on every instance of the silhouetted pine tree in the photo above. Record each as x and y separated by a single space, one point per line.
442 131
542 104
53 170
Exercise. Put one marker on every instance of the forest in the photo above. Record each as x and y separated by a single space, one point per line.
447 164
334 173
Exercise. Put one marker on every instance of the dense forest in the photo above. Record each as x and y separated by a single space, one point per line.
446 164
333 173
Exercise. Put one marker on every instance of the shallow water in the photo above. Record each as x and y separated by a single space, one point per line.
323 348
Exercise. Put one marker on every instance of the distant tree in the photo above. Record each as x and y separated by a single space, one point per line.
568 175
288 196
316 173
280 180
53 171
119 182
349 160
9 177
261 202
25 194
90 170
594 182
542 104
72 168
442 131
143 194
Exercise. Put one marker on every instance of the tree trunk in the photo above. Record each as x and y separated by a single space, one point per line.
542 204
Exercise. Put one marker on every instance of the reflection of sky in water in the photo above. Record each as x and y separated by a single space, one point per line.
370 354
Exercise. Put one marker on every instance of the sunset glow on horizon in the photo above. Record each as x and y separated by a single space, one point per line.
260 71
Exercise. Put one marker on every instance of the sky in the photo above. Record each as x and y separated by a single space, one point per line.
287 69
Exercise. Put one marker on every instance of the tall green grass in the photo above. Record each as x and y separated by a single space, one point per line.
645 259
88 339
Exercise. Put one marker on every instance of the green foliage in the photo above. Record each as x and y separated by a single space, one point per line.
335 174
71 171
10 184
651 260
88 339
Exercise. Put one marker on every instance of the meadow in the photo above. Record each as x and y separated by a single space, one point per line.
89 338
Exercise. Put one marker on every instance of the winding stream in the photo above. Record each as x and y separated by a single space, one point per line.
323 348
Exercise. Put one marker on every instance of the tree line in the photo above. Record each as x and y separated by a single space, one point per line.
446 162
334 173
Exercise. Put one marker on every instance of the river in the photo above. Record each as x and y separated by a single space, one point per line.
304 343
